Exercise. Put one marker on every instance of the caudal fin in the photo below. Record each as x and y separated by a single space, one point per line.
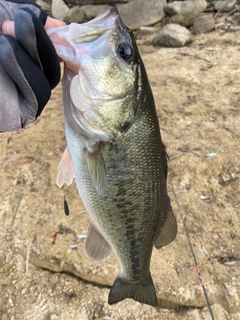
123 289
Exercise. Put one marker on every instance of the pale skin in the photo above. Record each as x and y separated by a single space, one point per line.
8 26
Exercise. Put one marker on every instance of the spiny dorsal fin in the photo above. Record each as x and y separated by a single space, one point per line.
96 247
169 230
65 169
97 169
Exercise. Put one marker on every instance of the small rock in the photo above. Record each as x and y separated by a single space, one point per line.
172 35
203 24
138 13
184 20
44 5
147 31
75 14
186 7
236 18
92 11
225 6
59 9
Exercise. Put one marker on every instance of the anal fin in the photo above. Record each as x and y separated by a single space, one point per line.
168 231
65 169
96 247
123 289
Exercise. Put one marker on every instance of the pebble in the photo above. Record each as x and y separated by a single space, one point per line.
184 20
203 24
225 6
59 9
137 13
23 291
186 7
90 11
172 35
75 14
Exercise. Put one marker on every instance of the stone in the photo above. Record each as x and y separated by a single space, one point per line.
203 24
184 20
92 11
75 14
236 18
138 13
225 6
44 5
172 35
59 9
135 14
186 7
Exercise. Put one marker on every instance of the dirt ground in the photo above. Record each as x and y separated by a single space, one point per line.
197 94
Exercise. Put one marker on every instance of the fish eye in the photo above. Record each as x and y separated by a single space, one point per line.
125 51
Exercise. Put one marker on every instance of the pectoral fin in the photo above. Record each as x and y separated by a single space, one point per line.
96 247
168 231
65 169
97 169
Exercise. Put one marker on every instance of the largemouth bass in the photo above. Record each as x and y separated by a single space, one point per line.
114 150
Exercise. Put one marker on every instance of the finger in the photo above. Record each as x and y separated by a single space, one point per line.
53 23
8 28
29 78
37 44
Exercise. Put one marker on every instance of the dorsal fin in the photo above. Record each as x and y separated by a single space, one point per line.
65 169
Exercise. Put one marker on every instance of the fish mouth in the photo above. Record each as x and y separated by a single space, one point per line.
71 42
95 28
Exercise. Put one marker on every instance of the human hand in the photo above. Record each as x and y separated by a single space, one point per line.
29 66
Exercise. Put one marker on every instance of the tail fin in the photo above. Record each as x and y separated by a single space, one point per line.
123 289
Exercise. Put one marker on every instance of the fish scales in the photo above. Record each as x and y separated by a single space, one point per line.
121 173
125 195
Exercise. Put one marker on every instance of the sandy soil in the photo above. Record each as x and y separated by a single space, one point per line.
197 94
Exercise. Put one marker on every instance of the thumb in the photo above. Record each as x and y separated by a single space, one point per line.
8 28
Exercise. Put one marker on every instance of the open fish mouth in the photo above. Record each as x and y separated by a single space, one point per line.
107 20
95 28
90 39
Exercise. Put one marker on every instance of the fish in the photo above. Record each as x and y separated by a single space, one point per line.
114 150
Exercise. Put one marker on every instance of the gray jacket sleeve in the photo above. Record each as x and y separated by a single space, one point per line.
29 66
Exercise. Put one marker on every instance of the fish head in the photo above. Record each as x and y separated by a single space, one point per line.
106 87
